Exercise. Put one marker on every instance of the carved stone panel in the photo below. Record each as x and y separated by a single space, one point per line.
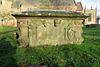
35 32
50 31
78 31
23 33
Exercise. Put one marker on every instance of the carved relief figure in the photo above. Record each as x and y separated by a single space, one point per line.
32 31
23 34
70 32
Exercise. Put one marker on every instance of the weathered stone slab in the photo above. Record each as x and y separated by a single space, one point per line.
52 27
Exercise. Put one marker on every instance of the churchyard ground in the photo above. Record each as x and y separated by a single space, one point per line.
85 55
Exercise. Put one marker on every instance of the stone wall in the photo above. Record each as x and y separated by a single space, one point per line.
5 6
6 20
71 8
79 7
31 7
93 13
81 11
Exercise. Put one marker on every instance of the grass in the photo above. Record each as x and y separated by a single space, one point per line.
85 55
6 29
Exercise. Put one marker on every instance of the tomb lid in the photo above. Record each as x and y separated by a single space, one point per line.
49 13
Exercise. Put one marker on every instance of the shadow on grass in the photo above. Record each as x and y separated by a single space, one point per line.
6 54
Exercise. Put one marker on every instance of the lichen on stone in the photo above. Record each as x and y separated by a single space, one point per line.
51 13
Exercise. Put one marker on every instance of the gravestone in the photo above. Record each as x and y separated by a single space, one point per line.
52 27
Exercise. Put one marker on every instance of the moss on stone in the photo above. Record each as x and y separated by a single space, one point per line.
50 13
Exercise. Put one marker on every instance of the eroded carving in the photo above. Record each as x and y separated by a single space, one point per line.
65 33
50 31
33 24
56 22
44 23
78 32
70 34
23 33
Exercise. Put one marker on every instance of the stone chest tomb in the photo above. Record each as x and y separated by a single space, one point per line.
52 27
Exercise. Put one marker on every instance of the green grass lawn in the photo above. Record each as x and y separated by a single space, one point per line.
85 55
6 29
